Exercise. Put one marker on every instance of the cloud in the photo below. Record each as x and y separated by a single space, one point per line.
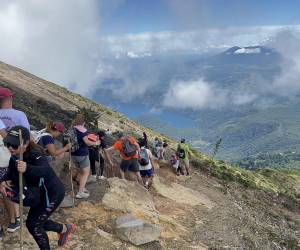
56 39
287 43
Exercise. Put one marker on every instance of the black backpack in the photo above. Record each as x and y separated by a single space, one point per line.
181 153
144 157
129 149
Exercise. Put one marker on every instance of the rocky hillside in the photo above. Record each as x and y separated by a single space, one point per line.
218 207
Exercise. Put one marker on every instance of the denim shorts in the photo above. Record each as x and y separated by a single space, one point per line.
81 162
146 173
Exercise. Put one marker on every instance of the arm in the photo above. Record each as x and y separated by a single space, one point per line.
138 147
3 133
54 152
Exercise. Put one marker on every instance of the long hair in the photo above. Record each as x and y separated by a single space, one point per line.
49 126
79 120
32 146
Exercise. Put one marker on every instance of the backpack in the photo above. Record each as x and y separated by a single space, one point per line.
144 157
4 155
129 149
159 144
181 153
37 135
71 136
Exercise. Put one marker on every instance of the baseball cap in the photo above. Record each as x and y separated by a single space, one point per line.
13 135
5 92
59 126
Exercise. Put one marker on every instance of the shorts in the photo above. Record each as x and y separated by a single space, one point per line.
81 162
3 172
131 165
146 173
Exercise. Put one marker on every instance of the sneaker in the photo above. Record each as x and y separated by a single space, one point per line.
86 191
92 178
12 227
82 195
1 232
102 177
64 237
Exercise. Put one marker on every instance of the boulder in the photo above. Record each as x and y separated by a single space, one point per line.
136 231
130 197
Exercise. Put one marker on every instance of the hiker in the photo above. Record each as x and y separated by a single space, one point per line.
129 151
176 165
146 166
80 156
47 140
157 145
43 190
163 150
96 154
11 117
184 152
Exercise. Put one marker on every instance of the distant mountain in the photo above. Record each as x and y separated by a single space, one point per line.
266 124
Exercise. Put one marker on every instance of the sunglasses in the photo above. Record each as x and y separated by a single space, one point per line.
8 145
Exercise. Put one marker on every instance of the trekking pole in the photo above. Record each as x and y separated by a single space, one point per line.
71 178
21 192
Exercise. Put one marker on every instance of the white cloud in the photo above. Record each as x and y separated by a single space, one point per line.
54 39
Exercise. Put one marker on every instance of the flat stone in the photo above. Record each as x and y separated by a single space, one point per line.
136 231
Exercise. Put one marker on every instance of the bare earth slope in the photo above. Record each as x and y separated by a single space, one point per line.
195 212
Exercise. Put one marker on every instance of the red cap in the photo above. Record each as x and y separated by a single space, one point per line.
59 126
5 92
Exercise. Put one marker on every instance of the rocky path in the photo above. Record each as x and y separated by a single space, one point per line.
193 212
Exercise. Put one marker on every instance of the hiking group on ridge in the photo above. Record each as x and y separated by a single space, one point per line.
32 153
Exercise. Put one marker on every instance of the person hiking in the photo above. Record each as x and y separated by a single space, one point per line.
146 164
129 151
183 153
96 154
43 190
11 117
176 165
144 141
163 150
47 140
80 156
157 145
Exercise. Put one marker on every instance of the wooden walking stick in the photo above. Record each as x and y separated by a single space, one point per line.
21 192
71 178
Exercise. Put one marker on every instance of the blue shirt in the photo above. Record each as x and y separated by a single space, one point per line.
83 149
46 140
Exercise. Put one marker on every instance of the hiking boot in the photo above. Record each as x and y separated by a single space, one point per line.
1 232
92 178
64 237
82 195
12 227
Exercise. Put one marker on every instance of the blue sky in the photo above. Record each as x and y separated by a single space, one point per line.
136 16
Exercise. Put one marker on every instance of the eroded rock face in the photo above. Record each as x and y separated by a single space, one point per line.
136 231
130 197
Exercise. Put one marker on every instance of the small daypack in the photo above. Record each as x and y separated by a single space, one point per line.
71 136
37 135
144 157
129 149
181 153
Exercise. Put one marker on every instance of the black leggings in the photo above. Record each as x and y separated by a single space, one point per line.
38 222
93 159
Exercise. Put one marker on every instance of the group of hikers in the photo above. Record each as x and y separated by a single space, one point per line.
32 154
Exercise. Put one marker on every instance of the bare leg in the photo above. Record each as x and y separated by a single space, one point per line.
10 209
122 174
84 174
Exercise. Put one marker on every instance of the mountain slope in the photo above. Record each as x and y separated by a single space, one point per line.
250 210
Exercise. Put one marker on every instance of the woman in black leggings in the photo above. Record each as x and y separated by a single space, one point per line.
38 175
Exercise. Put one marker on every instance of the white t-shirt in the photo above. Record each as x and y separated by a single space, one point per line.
2 125
12 117
149 166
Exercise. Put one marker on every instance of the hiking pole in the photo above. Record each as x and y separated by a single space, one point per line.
71 178
21 192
